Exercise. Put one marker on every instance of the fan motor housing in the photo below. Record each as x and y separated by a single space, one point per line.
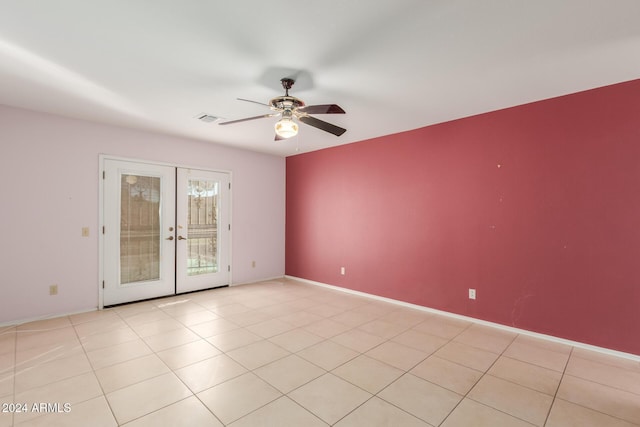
281 103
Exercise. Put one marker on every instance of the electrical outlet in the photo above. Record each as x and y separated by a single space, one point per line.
53 290
472 294
342 271
85 231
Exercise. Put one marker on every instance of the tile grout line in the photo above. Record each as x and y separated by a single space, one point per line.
525 386
366 391
252 371
406 372
603 384
15 367
104 395
409 373
383 362
483 374
564 374
555 395
330 371
172 371
593 409
480 379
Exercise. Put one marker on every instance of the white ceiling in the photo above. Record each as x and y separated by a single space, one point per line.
393 65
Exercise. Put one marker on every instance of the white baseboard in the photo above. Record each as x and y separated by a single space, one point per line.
474 320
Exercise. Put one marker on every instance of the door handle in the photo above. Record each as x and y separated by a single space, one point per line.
170 238
182 238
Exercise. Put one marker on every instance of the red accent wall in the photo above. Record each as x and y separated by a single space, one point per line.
537 207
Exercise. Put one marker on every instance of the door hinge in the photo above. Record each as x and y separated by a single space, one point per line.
103 284
104 175
229 186
103 229
228 268
229 227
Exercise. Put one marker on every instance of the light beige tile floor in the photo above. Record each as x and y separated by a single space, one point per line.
283 353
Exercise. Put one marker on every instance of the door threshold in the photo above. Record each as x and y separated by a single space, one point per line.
164 296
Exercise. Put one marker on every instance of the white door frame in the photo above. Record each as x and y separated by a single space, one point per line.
101 243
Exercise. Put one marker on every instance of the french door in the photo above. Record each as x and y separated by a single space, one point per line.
166 230
203 229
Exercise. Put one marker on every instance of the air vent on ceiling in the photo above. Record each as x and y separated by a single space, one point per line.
207 118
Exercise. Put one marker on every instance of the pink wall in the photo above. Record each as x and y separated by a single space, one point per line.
49 169
537 207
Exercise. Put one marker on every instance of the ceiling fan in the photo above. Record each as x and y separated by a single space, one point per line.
290 107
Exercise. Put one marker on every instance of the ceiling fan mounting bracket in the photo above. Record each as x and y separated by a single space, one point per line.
287 84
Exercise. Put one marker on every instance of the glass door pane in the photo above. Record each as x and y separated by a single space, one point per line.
139 228
202 227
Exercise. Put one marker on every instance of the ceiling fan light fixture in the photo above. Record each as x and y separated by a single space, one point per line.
286 128
290 107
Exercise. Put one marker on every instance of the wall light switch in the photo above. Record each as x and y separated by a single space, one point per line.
85 231
53 290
